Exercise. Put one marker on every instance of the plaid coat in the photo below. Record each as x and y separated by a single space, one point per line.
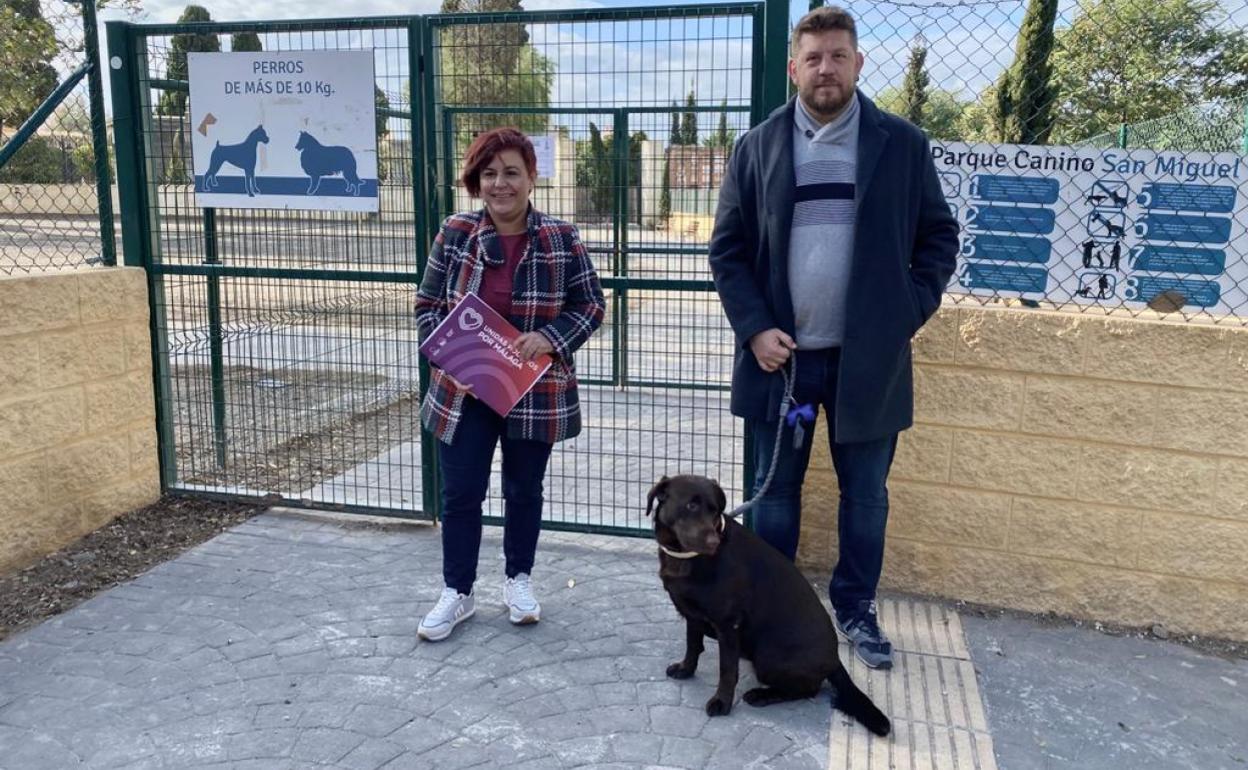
556 293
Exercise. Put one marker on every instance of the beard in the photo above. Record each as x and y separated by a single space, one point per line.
828 101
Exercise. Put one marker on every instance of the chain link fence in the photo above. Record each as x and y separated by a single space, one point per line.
57 211
1216 126
1093 151
1106 74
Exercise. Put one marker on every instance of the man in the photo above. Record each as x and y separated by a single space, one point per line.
832 243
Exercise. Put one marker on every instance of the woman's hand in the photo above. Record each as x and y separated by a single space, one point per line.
466 387
531 345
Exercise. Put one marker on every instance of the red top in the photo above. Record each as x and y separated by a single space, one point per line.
496 283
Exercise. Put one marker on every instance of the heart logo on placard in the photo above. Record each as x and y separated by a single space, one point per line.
471 320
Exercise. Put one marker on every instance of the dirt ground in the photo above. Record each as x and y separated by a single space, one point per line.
123 549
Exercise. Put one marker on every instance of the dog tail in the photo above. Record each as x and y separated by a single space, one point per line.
848 698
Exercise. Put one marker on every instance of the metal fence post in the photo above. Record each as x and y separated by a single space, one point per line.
127 142
216 343
446 202
1123 130
128 57
776 56
99 135
773 60
758 64
619 297
37 118
424 153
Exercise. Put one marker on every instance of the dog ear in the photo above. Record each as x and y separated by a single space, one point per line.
659 492
720 498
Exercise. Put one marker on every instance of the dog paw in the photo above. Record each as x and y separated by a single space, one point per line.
718 707
757 697
680 671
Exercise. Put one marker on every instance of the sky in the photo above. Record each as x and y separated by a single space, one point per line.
613 65
973 39
167 11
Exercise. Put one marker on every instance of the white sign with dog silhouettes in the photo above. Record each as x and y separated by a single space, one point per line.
284 130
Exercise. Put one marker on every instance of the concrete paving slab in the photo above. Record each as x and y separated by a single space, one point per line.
1064 697
290 642
599 478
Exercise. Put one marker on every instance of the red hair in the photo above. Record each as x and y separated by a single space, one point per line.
486 147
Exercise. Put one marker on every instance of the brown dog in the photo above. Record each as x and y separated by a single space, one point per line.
730 585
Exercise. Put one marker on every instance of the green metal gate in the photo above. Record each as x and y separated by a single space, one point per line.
284 344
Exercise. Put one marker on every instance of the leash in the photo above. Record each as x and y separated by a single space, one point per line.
792 417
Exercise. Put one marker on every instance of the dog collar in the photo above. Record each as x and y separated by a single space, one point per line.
687 554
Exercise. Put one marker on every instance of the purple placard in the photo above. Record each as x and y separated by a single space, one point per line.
475 345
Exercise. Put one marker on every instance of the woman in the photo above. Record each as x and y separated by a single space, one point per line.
534 270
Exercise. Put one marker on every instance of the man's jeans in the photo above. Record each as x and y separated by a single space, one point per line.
465 466
861 470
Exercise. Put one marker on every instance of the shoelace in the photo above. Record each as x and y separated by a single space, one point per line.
866 621
448 598
522 593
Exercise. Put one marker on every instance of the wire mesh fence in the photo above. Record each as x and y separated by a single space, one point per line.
1215 126
50 188
287 335
640 109
287 338
292 376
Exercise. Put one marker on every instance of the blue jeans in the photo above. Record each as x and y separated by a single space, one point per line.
465 466
861 471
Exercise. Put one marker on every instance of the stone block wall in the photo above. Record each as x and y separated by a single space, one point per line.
1081 464
77 421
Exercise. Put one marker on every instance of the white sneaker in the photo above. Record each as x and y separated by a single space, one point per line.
521 604
452 609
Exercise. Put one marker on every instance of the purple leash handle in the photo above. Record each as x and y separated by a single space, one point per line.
804 412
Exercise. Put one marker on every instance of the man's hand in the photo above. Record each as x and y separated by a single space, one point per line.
531 345
772 349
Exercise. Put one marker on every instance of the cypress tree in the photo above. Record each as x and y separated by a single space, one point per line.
1025 91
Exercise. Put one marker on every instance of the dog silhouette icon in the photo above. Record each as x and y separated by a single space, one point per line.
320 160
242 155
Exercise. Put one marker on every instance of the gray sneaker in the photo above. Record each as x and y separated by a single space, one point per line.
860 628
452 609
522 606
